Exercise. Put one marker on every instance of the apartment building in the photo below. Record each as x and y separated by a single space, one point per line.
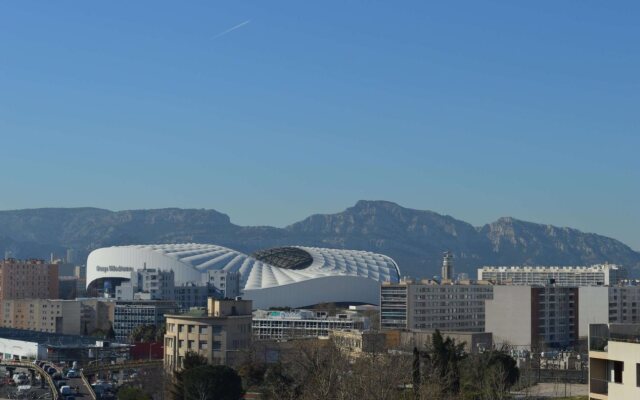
614 361
227 283
41 315
427 304
28 279
129 314
530 317
594 275
303 323
219 334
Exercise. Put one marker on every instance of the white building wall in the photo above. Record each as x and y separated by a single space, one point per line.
508 316
593 307
629 353
330 289
10 348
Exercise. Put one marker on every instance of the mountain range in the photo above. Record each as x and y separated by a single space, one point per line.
415 239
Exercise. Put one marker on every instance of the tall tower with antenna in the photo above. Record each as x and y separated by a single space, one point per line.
447 266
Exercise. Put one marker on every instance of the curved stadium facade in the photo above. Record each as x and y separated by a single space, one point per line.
292 276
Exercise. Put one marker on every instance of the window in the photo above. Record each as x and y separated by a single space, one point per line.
638 375
618 367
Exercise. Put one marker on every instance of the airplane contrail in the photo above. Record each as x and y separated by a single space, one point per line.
240 25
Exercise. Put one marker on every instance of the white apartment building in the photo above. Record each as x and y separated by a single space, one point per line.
430 305
594 275
303 323
128 315
614 361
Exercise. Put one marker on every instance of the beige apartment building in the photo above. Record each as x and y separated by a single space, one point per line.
614 361
72 317
42 315
220 333
28 279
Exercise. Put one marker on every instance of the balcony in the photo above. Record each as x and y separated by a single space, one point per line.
599 386
601 334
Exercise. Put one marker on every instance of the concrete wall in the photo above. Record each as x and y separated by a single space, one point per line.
629 353
508 316
593 307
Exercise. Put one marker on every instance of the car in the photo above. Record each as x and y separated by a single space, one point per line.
72 373
20 379
66 390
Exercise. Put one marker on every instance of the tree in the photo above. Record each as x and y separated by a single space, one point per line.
144 333
278 384
190 361
442 367
211 382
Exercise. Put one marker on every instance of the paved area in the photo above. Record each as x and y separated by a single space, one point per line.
553 390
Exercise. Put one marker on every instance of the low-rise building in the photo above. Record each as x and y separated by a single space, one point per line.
220 334
614 361
278 325
356 343
17 344
428 304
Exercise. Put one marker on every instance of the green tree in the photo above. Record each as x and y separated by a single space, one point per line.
211 382
442 361
190 361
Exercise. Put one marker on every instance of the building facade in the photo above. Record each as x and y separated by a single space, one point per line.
533 317
429 305
276 325
128 315
595 275
41 315
614 361
220 334
28 279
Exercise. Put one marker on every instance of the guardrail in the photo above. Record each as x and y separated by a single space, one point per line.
92 369
88 385
42 372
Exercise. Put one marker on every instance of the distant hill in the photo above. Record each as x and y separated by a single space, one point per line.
414 238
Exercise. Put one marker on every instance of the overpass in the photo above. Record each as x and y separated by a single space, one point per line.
33 367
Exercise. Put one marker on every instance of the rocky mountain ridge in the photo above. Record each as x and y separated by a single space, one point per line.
414 238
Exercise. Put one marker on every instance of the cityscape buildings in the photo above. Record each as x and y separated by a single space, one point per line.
284 276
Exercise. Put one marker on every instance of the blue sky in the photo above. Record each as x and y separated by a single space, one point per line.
473 109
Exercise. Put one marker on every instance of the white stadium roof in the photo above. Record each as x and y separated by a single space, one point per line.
272 268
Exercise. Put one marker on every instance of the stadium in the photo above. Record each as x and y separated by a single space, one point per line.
293 276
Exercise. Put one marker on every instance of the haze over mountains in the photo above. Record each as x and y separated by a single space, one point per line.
414 238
